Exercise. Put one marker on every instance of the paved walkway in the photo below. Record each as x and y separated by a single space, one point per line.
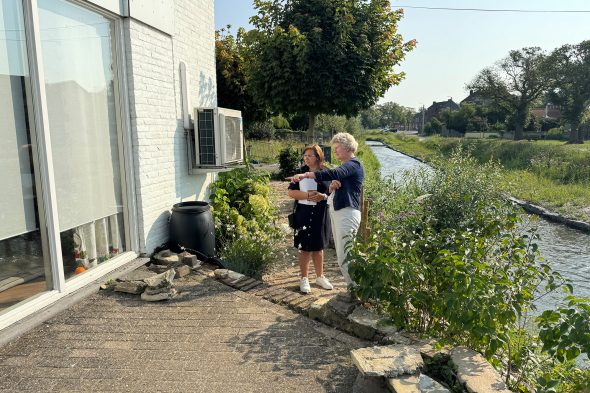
210 339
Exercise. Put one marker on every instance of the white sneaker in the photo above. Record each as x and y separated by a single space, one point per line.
323 282
304 285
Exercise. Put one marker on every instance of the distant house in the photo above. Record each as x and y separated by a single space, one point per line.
437 107
549 111
476 98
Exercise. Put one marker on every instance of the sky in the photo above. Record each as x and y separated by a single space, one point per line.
453 46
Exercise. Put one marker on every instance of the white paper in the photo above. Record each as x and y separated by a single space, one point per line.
306 185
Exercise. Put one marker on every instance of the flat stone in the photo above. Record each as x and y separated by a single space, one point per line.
364 384
181 271
316 310
387 361
157 290
366 323
133 287
159 296
191 260
415 384
342 304
221 273
161 279
166 258
158 268
476 373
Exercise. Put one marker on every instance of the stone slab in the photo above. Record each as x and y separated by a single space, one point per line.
133 287
415 384
387 361
364 384
476 373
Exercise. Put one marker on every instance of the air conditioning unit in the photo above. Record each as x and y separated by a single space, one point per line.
217 141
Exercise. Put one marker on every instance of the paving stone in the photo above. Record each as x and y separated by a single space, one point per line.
251 286
316 309
415 384
476 373
243 282
387 361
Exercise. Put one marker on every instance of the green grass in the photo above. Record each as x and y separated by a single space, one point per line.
267 152
548 173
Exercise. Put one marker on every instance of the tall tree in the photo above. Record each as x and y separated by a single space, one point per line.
515 83
232 89
570 71
324 56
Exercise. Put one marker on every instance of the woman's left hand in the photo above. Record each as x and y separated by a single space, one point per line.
315 196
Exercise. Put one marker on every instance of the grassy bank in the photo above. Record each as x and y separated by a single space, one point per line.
548 173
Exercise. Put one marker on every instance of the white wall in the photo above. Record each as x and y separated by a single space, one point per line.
159 144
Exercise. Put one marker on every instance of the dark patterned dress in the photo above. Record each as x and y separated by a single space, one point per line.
312 224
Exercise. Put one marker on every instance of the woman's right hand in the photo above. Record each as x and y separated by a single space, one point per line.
334 186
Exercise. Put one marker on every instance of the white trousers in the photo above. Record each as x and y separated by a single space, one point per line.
345 223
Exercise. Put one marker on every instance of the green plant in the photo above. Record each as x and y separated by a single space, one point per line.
243 213
289 162
449 257
260 130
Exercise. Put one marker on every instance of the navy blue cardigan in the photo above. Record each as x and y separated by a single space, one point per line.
351 175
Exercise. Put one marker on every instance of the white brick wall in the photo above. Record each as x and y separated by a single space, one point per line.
159 145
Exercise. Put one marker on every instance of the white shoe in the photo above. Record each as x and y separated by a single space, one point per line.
304 285
323 282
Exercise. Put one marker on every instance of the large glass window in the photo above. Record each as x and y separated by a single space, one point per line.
24 271
77 47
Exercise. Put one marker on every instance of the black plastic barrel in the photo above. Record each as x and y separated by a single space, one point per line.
192 227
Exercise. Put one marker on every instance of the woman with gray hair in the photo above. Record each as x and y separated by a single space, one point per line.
345 197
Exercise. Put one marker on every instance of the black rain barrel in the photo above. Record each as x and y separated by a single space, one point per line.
192 227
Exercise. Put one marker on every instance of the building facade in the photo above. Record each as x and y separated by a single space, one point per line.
93 151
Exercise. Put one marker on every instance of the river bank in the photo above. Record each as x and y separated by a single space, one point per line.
566 201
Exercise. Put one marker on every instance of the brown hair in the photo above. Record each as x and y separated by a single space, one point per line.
317 151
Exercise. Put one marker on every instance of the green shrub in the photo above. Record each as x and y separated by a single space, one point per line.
281 123
555 134
260 130
449 257
243 213
289 162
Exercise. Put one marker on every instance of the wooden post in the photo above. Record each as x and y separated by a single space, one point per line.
364 228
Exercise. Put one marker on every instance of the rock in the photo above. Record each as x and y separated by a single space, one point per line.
156 290
166 258
415 384
388 361
342 304
134 287
221 273
366 323
182 271
364 384
317 308
191 260
476 373
159 296
160 279
159 268
395 338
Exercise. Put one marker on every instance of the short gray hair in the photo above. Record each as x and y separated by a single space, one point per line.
346 140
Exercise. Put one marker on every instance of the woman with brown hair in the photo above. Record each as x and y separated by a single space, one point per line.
312 229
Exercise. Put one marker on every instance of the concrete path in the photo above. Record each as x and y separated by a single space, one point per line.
210 339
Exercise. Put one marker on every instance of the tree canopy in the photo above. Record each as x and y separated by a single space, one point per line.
324 56
570 89
515 83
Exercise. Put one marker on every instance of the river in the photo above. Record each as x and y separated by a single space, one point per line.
566 250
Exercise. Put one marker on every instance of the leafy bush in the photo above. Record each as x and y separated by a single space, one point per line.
281 123
260 130
289 162
555 134
243 214
450 257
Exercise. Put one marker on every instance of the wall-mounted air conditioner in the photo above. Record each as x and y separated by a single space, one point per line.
217 141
